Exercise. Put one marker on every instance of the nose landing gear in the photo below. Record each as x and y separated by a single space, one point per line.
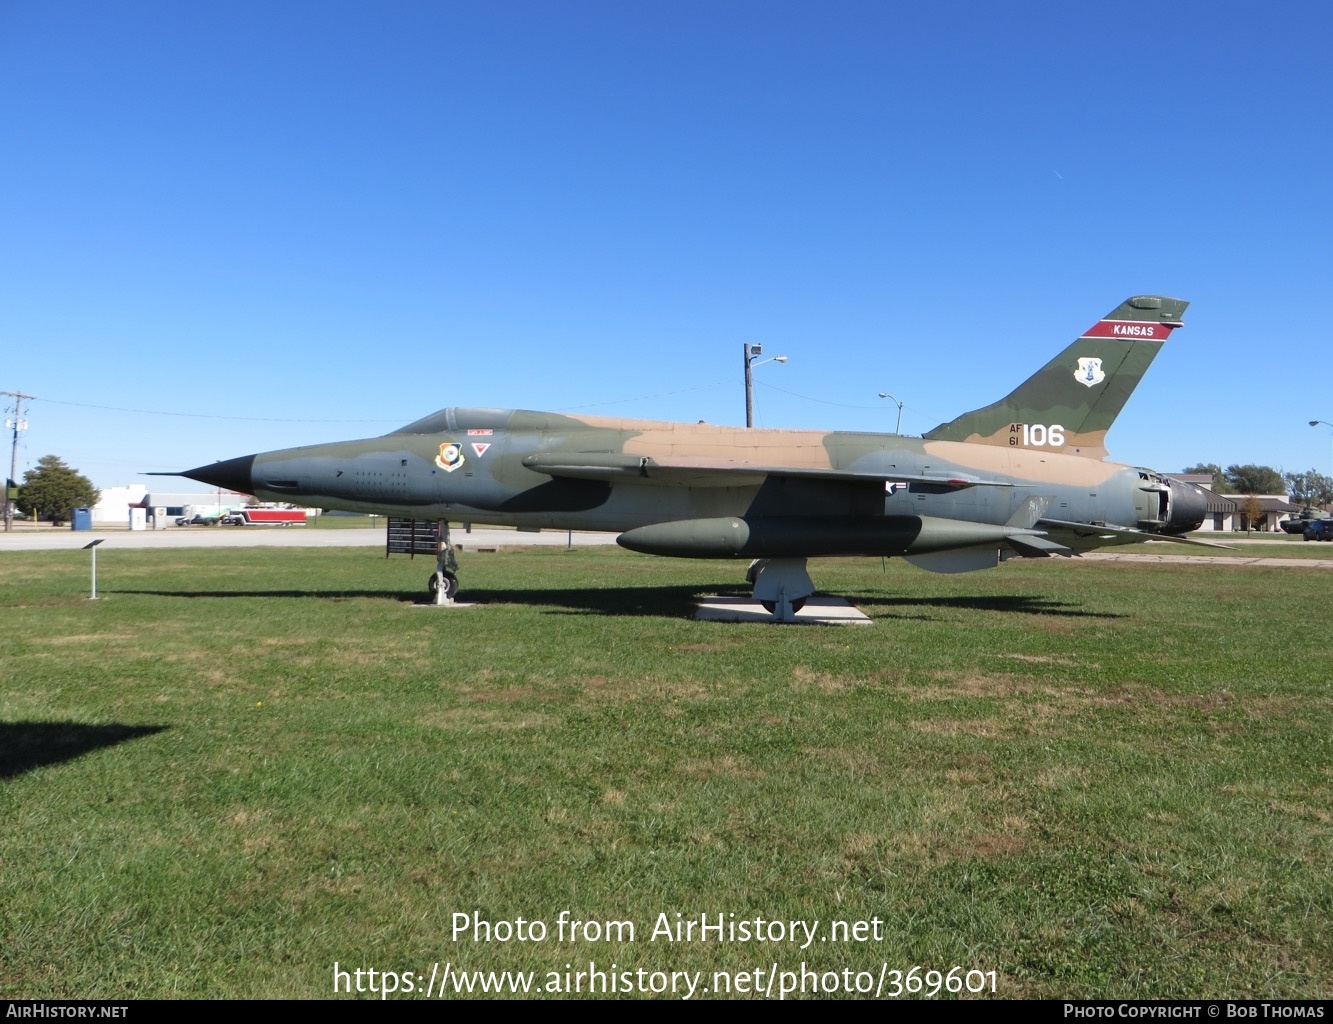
443 583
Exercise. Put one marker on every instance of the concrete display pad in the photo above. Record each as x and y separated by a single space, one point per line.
819 611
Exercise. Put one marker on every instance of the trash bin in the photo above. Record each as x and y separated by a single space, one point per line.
81 519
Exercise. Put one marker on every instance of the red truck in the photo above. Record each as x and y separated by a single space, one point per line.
264 517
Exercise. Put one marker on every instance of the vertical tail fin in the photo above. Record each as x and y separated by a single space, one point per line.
1070 403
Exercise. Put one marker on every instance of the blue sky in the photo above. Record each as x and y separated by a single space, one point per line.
303 222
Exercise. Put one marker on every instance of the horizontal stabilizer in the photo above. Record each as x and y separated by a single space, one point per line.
1085 536
1037 547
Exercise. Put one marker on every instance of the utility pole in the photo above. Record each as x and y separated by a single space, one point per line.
19 423
1315 423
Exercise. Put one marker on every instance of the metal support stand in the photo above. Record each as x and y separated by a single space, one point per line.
781 585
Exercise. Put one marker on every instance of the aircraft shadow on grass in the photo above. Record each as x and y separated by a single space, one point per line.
323 595
664 601
675 601
653 601
647 600
28 745
1011 603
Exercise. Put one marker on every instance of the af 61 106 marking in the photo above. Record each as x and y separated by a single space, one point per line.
1037 435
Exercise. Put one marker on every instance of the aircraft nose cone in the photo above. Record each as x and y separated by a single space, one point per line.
232 475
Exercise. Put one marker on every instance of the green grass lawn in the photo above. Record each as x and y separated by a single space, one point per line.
242 766
1234 545
1285 547
345 522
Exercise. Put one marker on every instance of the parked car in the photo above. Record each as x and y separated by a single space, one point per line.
1320 529
197 520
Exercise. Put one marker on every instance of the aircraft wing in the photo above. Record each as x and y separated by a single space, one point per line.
703 472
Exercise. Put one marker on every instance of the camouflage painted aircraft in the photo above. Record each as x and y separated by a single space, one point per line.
1024 477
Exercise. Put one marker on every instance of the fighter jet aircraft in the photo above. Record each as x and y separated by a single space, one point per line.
1024 477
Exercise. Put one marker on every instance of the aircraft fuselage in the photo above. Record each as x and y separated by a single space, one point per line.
1023 476
486 466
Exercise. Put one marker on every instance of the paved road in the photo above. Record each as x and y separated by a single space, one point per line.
276 537
1266 563
303 537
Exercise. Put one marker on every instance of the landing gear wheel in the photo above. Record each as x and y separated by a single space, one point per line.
450 585
772 606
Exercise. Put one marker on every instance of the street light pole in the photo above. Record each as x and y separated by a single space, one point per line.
1315 423
750 352
899 428
753 352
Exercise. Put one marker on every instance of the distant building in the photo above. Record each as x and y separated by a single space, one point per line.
1230 512
1270 510
114 507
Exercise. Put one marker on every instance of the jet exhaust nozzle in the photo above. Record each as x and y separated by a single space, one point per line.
1188 508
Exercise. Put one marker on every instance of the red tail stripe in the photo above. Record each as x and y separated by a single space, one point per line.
1130 330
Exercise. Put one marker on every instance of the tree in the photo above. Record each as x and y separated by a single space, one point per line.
1219 478
1310 487
53 489
1255 480
1253 511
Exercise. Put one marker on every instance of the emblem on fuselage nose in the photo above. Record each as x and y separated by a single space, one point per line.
1089 372
450 457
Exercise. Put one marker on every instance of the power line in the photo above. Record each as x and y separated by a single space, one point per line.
197 415
822 401
644 398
